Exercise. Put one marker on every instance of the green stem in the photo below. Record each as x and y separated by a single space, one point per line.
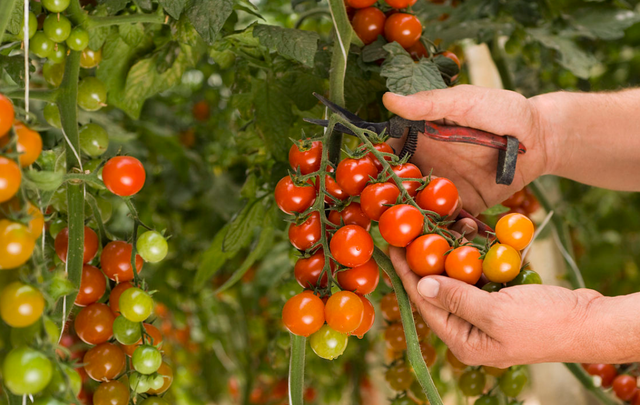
125 19
42 95
136 223
76 13
5 15
311 13
413 344
296 369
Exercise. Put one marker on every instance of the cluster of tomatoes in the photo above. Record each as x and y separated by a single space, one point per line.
621 379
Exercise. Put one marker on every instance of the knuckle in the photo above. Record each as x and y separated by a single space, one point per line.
454 300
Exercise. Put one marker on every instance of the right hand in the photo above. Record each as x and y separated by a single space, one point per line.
472 168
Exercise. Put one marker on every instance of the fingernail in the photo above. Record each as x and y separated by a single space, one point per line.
428 287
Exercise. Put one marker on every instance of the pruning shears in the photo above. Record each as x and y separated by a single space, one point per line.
508 146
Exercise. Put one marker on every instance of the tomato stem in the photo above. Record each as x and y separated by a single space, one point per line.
296 369
136 223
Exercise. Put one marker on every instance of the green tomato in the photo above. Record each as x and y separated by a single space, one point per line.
154 401
525 277
139 383
402 401
492 287
90 58
78 39
328 343
40 45
55 6
472 383
33 26
26 371
135 304
56 226
59 53
92 94
152 246
125 331
512 382
94 140
104 206
48 400
156 382
58 384
146 359
53 73
92 165
56 27
487 400
52 115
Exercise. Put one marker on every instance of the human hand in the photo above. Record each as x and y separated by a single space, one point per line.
471 167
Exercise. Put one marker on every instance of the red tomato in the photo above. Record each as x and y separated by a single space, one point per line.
94 324
368 23
530 204
369 316
201 111
515 230
400 3
426 254
344 311
92 286
104 362
389 307
515 200
308 160
376 196
303 314
353 215
380 147
362 279
332 187
90 244
408 171
452 56
308 270
402 28
10 178
305 235
428 353
606 372
464 264
114 297
116 261
440 196
361 3
123 175
418 51
351 246
625 387
291 198
7 115
353 175
401 224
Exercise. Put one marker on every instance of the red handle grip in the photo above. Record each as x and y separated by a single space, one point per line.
452 133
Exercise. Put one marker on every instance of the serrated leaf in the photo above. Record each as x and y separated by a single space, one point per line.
300 86
273 113
98 35
291 43
446 65
240 230
113 6
212 259
604 23
14 66
375 51
45 180
17 16
208 17
495 210
173 7
249 10
571 56
404 76
131 33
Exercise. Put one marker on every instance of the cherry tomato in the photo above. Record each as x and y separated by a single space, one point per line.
104 362
146 359
375 198
41 45
369 316
94 139
167 373
530 205
10 179
135 305
394 336
92 286
464 264
625 386
7 116
29 144
494 371
487 400
453 360
56 27
94 324
78 39
332 187
125 331
361 3
26 371
401 224
352 214
353 175
525 277
303 314
92 94
90 58
58 385
429 354
351 246
472 383
402 28
308 270
501 263
328 343
515 200
90 244
152 246
291 198
440 196
154 338
512 382
380 147
422 329
418 51
123 175
33 26
389 307
399 377
55 6
111 393
59 54
16 244
368 23
305 235
362 279
453 57
36 223
52 115
21 305
308 159
116 261
399 4
515 230
344 311
154 401
606 372
408 171
114 297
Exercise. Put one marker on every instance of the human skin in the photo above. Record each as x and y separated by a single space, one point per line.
590 138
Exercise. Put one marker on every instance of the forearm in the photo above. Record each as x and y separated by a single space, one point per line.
592 138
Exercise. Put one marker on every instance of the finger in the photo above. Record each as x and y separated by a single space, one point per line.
466 226
457 210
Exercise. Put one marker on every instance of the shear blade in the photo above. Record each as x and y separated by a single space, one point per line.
325 123
337 109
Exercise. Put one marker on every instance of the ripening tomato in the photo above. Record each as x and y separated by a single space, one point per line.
382 147
90 58
111 393
418 51
440 196
10 179
362 279
408 171
403 28
92 286
353 175
7 115
123 175
308 158
399 4
501 263
29 144
352 214
167 374
351 246
90 244
426 254
464 264
16 244
36 224
116 261
515 230
422 330
331 187
453 57
625 386
368 23
104 362
327 343
344 311
394 337
94 324
291 198
530 204
154 339
308 270
303 314
454 362
201 111
399 377
494 371
368 317
305 235
389 307
401 224
114 297
515 200
376 197
361 3
472 383
606 372
429 354
21 305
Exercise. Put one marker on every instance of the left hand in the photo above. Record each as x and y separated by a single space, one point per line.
518 325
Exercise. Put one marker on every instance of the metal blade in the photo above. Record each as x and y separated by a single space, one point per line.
337 109
325 123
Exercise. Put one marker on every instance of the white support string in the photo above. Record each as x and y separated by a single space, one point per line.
25 33
535 235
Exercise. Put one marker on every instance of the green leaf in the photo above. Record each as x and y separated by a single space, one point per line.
113 6
173 7
404 76
446 65
604 23
131 33
299 86
291 43
212 259
17 16
98 35
208 17
249 8
456 30
375 51
14 66
495 210
241 227
60 286
273 114
45 180
571 56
